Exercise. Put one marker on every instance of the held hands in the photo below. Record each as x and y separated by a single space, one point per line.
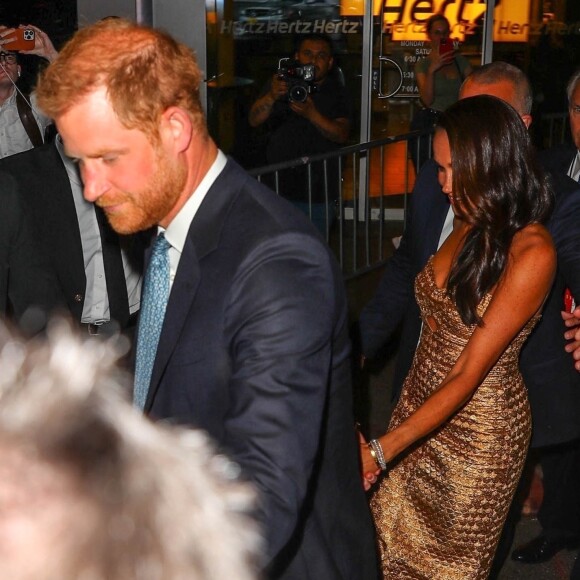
369 469
572 322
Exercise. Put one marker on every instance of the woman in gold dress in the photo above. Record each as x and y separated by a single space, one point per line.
457 440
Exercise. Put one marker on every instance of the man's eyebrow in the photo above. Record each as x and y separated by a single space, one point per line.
97 154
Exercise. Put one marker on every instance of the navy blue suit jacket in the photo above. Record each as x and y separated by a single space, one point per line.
254 349
394 302
553 383
558 159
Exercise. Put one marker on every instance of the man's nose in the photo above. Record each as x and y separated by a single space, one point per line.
94 183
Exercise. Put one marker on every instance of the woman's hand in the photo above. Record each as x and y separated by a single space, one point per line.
369 469
438 61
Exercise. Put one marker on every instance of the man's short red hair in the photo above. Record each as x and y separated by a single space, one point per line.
144 70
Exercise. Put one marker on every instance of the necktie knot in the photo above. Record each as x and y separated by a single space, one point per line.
160 246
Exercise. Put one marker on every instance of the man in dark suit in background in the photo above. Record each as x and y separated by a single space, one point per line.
98 273
253 343
559 514
27 282
565 159
548 371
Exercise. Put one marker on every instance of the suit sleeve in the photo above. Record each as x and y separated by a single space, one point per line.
565 230
382 315
279 321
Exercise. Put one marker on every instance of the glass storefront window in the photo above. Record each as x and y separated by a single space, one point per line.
247 38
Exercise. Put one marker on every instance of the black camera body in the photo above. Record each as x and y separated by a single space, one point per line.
299 77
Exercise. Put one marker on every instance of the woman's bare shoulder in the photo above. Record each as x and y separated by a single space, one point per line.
533 242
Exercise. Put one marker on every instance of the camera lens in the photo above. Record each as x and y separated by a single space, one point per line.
298 93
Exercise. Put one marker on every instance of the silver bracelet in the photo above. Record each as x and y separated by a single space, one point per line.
377 453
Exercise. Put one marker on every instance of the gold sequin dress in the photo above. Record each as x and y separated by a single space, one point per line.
440 509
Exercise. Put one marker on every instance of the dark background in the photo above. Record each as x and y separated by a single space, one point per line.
58 18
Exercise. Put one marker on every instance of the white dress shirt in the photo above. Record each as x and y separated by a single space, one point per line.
177 230
13 136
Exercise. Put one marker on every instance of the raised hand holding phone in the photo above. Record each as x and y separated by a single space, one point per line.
446 45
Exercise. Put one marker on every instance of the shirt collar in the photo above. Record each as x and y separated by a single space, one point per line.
71 167
177 230
574 171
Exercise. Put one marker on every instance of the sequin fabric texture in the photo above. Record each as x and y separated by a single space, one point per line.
440 509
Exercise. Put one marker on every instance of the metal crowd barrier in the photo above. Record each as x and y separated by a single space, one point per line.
373 181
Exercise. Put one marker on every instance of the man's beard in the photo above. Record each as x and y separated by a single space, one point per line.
151 205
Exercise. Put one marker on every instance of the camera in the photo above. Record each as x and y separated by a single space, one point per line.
299 77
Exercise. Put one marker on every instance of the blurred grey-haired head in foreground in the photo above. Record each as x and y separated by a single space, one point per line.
92 490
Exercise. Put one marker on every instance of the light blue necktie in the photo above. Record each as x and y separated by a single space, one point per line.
153 305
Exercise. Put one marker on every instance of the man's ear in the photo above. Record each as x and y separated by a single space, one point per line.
527 119
176 128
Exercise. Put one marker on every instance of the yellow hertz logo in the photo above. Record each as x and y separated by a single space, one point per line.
405 19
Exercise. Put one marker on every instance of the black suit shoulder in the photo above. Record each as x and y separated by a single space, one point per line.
27 278
557 159
553 383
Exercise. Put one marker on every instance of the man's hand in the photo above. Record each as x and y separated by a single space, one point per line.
572 321
279 87
262 108
305 109
43 46
6 35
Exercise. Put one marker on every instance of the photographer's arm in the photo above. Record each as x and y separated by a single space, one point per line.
336 130
261 110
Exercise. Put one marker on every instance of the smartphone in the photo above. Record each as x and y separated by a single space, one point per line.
446 45
569 302
24 40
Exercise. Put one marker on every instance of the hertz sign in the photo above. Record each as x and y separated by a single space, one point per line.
405 19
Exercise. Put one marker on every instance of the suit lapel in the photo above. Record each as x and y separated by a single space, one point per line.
59 203
180 302
202 239
434 225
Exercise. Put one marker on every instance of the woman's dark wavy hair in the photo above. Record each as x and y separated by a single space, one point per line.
498 188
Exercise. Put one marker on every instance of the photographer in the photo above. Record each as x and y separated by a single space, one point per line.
318 124
22 125
439 77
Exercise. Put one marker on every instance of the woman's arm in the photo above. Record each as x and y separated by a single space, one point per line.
517 297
